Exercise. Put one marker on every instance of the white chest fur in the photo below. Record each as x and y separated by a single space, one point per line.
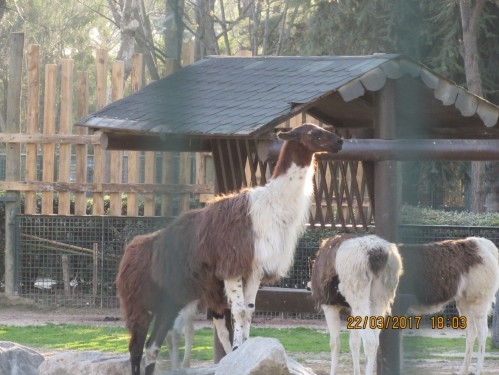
278 213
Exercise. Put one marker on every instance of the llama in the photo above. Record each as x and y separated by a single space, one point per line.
464 270
220 254
359 273
183 326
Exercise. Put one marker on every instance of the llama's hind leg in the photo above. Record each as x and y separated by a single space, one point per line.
189 336
471 333
332 315
138 334
162 324
235 296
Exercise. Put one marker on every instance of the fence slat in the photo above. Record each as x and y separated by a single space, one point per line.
137 75
65 128
116 172
81 150
99 158
33 109
49 128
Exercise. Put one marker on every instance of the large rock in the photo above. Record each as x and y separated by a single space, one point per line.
85 363
16 359
260 356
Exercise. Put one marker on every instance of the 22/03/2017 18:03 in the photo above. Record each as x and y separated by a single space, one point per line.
404 322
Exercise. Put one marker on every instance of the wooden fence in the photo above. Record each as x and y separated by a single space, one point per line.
75 168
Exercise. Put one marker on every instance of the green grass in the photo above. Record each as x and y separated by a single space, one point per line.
294 340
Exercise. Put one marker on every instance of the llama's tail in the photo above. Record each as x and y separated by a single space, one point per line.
386 265
136 291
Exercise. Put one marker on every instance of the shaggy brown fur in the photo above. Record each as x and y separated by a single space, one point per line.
138 295
324 278
424 270
201 248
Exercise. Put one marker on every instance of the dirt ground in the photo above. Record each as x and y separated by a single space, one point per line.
21 312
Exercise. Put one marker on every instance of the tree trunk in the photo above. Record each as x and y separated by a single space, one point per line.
207 41
482 188
469 21
174 30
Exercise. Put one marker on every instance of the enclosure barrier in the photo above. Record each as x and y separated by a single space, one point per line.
72 261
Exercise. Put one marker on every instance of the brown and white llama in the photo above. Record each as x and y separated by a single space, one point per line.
359 273
464 270
220 254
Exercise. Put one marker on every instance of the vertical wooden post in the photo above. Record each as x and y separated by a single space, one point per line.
99 156
386 216
33 124
149 173
81 150
185 157
66 124
49 128
65 274
167 170
133 156
95 270
117 77
13 157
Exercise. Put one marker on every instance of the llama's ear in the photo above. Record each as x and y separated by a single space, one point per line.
289 135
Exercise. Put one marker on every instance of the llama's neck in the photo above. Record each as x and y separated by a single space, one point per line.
292 152
279 212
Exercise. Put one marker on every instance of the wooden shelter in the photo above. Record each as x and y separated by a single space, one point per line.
388 107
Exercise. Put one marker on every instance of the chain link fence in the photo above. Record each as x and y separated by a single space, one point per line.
71 261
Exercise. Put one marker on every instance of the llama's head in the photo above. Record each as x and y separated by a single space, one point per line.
314 138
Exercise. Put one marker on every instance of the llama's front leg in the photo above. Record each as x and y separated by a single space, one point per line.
222 332
235 296
250 290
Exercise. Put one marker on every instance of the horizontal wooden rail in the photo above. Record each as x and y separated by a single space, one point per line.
94 139
88 187
275 299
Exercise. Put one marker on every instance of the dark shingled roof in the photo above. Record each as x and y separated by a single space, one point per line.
248 96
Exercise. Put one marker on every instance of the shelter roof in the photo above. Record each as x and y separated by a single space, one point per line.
249 96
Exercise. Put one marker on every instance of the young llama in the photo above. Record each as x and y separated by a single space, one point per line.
220 254
359 273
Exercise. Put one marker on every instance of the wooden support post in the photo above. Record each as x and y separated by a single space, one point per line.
13 157
386 199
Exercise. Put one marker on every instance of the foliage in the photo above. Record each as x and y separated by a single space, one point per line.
428 216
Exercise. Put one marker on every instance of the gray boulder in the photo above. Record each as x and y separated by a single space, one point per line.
85 363
260 356
16 359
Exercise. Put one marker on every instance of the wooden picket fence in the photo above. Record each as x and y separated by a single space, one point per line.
62 151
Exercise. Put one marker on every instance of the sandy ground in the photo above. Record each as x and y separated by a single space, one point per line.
20 312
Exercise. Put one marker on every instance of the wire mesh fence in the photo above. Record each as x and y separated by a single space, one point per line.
72 261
